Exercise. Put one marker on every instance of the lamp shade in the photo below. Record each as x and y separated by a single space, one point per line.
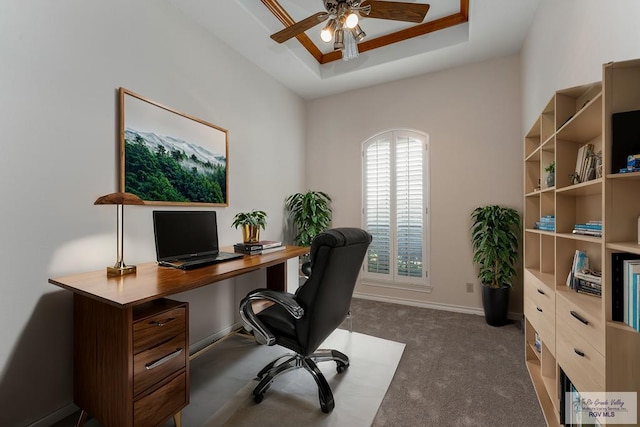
119 198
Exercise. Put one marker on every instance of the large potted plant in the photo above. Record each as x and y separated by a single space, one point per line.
311 215
251 223
494 237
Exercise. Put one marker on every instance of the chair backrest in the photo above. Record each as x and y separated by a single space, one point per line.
336 259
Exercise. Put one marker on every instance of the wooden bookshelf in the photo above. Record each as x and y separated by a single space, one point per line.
572 118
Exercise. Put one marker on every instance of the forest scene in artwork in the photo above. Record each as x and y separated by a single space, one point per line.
170 169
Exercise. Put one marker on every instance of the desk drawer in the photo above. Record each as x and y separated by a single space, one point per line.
155 364
579 360
166 401
151 331
586 321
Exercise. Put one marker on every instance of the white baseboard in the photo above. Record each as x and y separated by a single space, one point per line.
433 305
56 416
211 339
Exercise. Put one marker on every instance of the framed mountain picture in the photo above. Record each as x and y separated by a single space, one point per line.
170 158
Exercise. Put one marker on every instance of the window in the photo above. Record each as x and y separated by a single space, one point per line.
395 189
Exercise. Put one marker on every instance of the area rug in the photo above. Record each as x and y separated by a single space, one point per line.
292 399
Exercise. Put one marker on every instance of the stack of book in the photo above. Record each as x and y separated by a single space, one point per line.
588 282
257 248
585 163
625 268
591 228
631 293
546 223
581 278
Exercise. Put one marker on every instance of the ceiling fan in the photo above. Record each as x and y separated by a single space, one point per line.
343 16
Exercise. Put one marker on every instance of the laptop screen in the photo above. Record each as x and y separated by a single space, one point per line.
184 234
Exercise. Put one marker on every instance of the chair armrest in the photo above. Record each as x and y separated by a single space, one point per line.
261 332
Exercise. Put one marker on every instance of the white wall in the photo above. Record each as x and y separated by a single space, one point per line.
568 43
472 116
62 62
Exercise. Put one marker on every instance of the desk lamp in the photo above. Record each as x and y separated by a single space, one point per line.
120 199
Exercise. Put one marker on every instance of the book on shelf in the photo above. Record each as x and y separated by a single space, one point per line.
591 225
255 246
546 223
631 271
590 228
584 160
617 283
634 307
580 263
259 251
545 227
594 233
594 277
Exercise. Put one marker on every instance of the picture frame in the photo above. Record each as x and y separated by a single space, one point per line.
171 158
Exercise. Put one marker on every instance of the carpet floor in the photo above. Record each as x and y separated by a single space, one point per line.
455 370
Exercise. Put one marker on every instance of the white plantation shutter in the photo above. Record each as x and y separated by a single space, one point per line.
394 212
378 204
409 206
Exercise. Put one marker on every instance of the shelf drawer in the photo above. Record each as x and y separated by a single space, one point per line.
538 292
539 309
166 401
586 322
543 322
155 364
156 329
580 360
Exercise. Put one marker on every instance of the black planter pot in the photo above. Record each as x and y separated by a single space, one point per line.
496 305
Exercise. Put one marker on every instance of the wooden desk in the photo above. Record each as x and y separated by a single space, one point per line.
131 344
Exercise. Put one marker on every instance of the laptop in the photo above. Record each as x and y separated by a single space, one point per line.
188 239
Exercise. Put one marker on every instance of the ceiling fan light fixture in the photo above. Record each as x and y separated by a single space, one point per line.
338 39
358 34
327 32
352 20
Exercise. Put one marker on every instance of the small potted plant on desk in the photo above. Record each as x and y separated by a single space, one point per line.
494 238
251 223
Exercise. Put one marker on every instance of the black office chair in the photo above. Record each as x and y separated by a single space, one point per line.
301 322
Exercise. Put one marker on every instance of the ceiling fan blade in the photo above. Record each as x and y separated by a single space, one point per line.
397 11
299 27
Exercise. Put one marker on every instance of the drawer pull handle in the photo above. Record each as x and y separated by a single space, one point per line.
539 309
541 292
163 360
578 352
161 324
580 318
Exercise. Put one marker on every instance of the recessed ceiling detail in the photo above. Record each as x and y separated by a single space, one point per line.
408 32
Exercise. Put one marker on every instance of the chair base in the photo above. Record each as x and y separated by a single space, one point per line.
292 361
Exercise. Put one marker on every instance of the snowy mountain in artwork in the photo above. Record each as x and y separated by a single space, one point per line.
152 141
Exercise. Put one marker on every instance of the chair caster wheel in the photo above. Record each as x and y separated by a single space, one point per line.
258 397
327 406
341 367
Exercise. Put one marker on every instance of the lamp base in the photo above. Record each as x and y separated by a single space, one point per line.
121 270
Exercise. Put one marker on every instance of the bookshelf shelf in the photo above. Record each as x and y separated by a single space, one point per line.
583 189
580 237
576 121
621 326
631 247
